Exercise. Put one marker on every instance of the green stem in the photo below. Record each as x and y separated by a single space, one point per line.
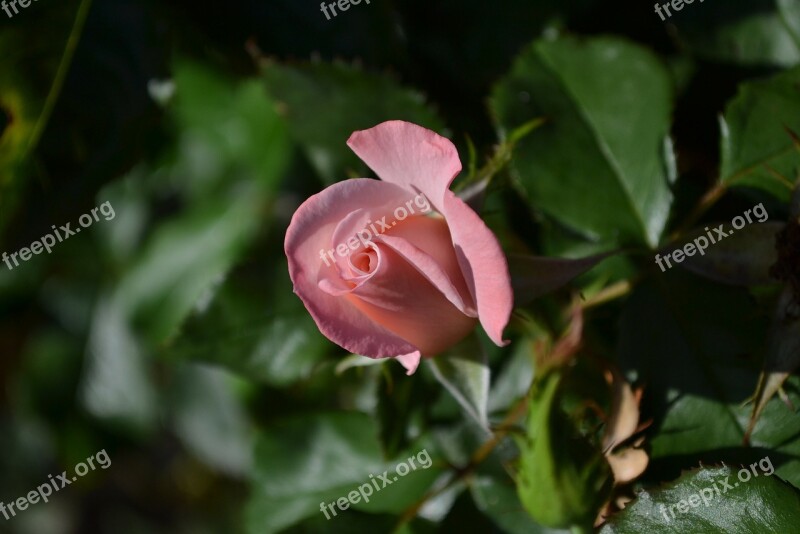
60 77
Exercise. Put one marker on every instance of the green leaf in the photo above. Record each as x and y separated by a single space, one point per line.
209 418
185 258
464 371
757 151
232 150
274 341
535 276
602 163
722 500
563 480
500 502
757 32
116 386
325 103
340 452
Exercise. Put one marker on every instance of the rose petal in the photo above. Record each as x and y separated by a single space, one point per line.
410 362
410 156
309 232
426 244
399 298
483 264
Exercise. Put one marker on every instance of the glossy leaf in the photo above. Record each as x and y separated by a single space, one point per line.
721 500
757 150
601 163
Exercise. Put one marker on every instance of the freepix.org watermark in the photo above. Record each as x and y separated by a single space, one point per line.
62 234
719 488
701 243
43 492
364 237
343 5
676 5
364 491
6 4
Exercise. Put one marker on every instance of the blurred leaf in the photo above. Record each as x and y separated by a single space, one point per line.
210 420
714 500
232 148
757 150
340 452
325 103
535 276
254 325
563 480
607 104
355 361
743 258
116 385
229 134
464 372
184 259
757 32
500 502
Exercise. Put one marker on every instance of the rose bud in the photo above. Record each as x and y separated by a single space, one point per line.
398 267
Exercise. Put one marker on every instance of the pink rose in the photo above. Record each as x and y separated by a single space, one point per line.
384 277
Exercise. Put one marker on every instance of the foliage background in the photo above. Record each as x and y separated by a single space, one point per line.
169 336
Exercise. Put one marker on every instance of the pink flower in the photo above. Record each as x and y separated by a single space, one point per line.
384 277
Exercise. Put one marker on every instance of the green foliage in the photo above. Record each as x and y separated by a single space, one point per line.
713 500
757 145
755 32
602 164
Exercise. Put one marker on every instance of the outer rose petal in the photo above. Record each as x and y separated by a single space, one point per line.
310 231
483 264
410 156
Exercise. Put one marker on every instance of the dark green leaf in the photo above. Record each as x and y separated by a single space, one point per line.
721 500
757 150
602 163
